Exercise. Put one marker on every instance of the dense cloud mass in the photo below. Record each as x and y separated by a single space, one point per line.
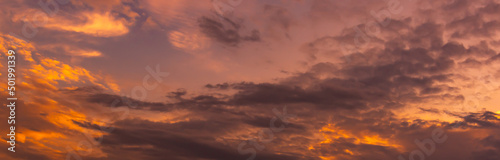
308 79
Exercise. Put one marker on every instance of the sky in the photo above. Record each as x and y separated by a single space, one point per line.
252 79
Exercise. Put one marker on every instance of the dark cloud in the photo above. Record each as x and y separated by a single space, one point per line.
432 110
194 142
229 36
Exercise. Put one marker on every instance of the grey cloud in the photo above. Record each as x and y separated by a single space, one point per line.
228 36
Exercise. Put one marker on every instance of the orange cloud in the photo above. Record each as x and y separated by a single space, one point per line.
51 115
96 24
72 50
331 134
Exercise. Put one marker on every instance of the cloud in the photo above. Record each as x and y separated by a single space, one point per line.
187 41
434 70
49 114
100 25
229 36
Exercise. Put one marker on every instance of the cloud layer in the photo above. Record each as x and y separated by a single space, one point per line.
358 80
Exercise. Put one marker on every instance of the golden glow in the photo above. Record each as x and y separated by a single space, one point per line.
310 147
66 120
377 140
52 71
327 158
41 79
89 54
348 151
21 47
37 136
102 25
330 133
498 114
71 50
